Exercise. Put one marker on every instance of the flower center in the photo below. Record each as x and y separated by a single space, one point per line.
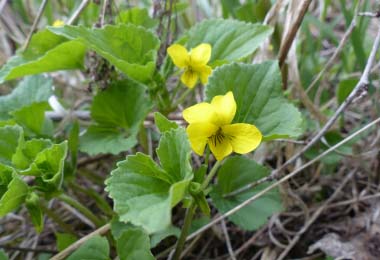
218 137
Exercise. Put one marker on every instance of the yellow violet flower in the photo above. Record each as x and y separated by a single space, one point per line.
58 23
194 62
210 123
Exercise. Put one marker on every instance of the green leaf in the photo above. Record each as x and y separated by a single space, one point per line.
253 11
118 112
123 104
96 248
32 203
130 48
174 153
258 95
15 195
10 138
136 16
27 152
102 140
48 167
30 90
46 52
6 176
3 255
235 173
133 244
344 88
64 240
143 193
231 40
163 124
32 118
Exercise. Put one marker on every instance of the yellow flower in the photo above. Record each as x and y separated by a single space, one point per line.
58 23
194 62
210 123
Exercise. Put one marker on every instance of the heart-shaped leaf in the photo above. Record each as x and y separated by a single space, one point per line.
143 192
258 94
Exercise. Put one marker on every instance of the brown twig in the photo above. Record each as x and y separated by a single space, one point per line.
228 240
35 23
285 46
314 217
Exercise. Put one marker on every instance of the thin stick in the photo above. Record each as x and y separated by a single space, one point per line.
100 231
369 14
2 5
228 240
284 179
360 87
336 53
284 49
103 13
314 217
77 12
35 23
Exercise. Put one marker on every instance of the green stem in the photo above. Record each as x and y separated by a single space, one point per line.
57 219
182 98
185 230
211 175
82 209
190 214
99 200
207 156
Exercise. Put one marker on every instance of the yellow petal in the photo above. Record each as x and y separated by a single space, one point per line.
58 23
204 72
200 55
179 55
189 78
244 138
200 113
225 106
198 134
220 148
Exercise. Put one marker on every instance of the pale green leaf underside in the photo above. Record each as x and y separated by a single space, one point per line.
258 94
14 196
235 173
30 90
131 49
103 140
10 137
47 52
231 40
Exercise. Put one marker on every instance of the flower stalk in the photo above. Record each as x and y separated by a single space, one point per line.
190 214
